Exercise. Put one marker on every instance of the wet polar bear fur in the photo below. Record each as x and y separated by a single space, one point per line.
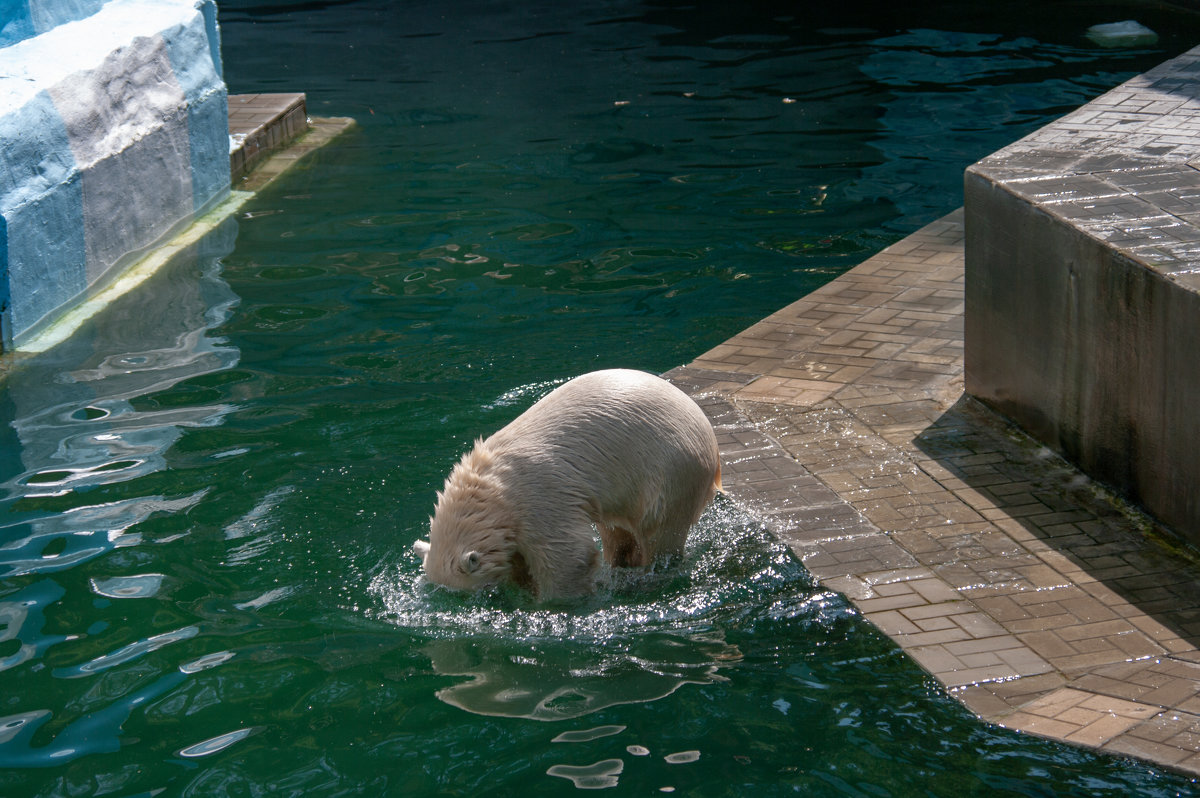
622 450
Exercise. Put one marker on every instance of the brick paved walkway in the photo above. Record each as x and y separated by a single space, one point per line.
1039 600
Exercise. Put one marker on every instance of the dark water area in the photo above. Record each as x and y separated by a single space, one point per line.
209 494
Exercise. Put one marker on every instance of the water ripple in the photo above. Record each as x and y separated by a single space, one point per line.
123 587
95 732
215 744
596 776
22 618
57 542
127 653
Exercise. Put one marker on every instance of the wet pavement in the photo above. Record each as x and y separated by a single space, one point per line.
1038 598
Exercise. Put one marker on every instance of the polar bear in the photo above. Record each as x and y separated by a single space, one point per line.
622 450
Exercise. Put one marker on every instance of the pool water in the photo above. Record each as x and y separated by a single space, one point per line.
210 492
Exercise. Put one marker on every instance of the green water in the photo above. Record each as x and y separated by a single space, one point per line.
209 494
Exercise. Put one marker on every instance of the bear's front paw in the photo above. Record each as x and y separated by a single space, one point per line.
421 548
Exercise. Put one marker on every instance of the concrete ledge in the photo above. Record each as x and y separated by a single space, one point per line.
321 130
260 124
1083 288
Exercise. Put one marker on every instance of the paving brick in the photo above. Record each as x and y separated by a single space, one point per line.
1101 730
982 701
1173 694
943 609
1024 689
894 623
987 644
1131 745
935 623
1036 724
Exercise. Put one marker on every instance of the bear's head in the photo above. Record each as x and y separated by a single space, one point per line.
472 534
469 569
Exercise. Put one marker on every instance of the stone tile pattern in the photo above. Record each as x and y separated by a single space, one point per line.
1039 600
1125 168
260 124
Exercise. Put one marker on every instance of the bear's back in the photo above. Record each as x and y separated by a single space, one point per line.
610 426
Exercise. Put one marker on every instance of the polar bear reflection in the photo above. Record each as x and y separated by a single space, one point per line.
567 681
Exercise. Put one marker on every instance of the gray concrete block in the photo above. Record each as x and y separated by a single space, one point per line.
1082 312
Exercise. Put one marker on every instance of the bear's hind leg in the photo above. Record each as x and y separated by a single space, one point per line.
563 571
521 576
621 548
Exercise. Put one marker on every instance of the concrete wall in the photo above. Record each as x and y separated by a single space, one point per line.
114 133
1083 288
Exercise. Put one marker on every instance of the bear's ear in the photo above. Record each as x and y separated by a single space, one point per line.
469 562
421 547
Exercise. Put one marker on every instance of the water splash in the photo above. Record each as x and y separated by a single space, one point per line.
642 636
524 394
729 558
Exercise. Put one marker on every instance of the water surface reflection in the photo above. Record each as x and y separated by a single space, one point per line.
78 449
